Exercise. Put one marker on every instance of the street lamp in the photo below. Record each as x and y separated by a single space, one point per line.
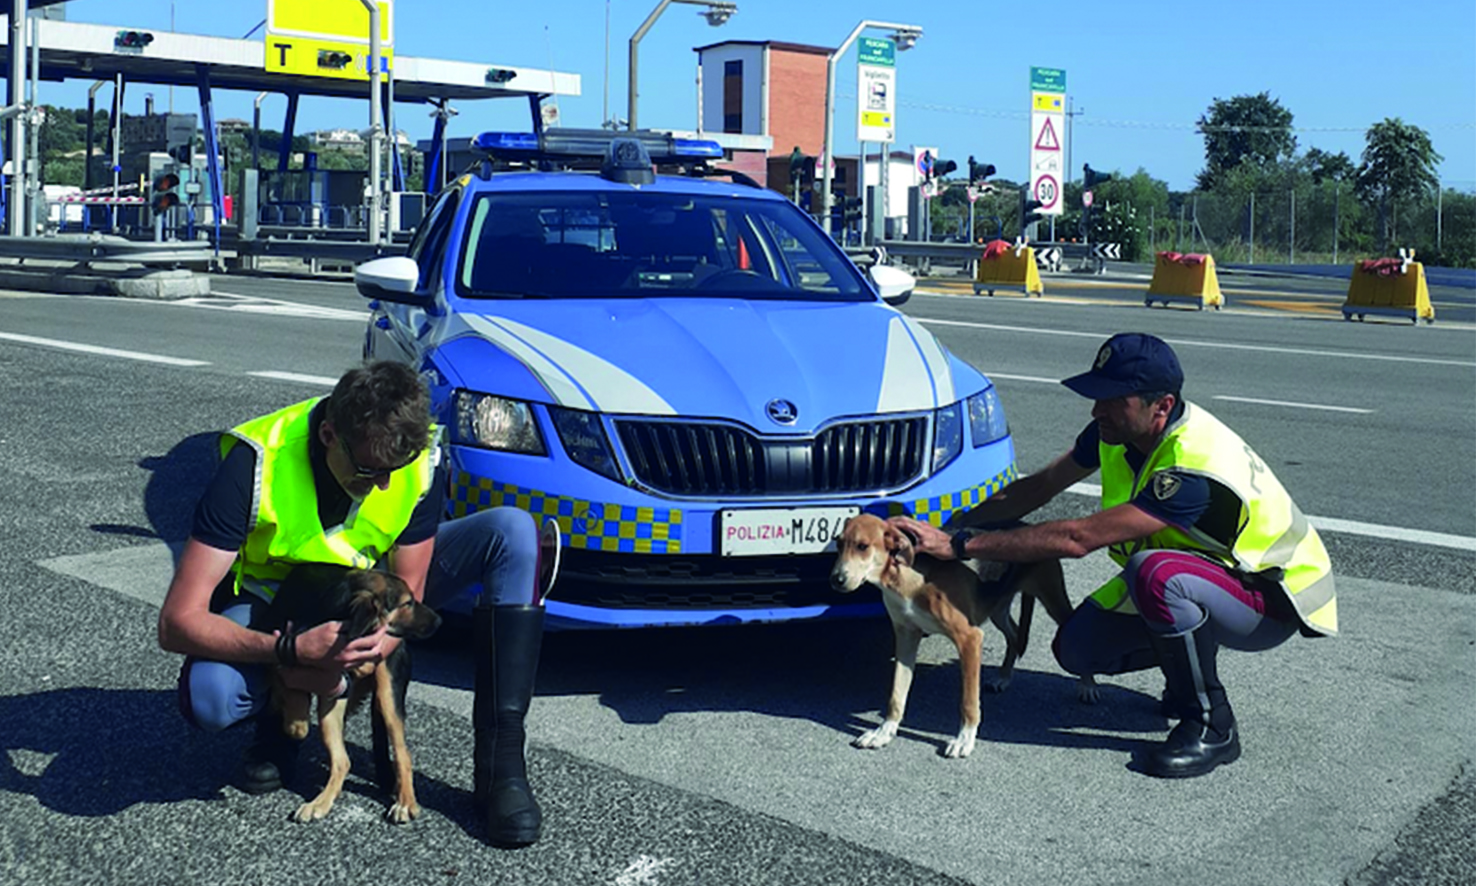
717 12
906 38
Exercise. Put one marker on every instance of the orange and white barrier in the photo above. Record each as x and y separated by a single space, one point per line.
1393 287
1004 265
1185 278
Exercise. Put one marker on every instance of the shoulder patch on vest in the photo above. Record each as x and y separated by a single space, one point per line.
1165 485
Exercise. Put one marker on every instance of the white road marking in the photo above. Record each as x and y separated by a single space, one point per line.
1311 352
643 871
1294 405
295 376
95 349
1350 527
1048 381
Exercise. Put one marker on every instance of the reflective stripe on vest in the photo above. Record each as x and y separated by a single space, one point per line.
285 529
1273 536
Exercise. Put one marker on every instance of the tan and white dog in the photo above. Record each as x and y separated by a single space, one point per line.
926 596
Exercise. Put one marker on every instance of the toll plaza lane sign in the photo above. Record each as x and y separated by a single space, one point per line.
1047 124
326 38
876 88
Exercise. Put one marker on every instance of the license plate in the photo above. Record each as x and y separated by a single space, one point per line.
750 533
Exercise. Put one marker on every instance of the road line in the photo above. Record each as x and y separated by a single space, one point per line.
1349 527
95 349
1294 405
970 324
1049 381
298 377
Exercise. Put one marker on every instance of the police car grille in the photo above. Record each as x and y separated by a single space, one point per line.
687 458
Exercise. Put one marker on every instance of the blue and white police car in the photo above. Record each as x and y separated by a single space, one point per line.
683 370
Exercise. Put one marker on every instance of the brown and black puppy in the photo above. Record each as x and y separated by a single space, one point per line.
926 596
364 601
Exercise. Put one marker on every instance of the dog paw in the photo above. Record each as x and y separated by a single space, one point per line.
313 811
879 737
1087 691
996 684
402 813
961 746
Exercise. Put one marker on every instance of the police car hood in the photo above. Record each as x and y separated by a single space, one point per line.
714 357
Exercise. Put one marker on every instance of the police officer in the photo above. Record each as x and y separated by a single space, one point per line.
1213 550
354 479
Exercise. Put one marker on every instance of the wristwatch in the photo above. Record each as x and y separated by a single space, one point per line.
961 538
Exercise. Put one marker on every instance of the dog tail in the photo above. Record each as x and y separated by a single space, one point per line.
1022 636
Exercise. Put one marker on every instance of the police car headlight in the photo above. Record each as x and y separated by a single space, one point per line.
496 423
947 436
583 436
987 418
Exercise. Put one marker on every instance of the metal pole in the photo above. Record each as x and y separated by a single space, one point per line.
16 90
33 164
861 189
1439 213
827 150
1253 229
117 142
632 90
256 132
1337 204
376 131
91 114
1152 230
885 178
1291 242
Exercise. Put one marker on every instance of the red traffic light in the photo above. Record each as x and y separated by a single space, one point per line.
167 181
165 201
133 39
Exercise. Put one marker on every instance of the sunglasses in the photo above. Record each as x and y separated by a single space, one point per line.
364 473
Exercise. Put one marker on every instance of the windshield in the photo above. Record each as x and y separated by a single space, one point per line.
648 245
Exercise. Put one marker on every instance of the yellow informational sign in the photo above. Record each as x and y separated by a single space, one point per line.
1049 102
326 38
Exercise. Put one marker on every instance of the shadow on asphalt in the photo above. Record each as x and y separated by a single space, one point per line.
834 673
96 752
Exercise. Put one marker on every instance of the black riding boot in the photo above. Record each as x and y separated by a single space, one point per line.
1206 736
506 646
270 762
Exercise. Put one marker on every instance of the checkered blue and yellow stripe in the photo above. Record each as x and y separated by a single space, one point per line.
938 508
586 524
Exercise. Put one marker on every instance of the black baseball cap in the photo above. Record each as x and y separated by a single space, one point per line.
1130 363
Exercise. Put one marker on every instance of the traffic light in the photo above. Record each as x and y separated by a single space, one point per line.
927 166
979 171
1028 215
1091 177
165 196
132 39
942 168
801 168
334 60
182 154
851 213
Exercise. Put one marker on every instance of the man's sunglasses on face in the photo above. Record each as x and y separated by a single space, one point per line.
364 473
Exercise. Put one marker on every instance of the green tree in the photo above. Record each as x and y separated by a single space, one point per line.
1252 130
1397 173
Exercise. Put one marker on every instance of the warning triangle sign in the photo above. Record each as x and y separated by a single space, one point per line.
1047 140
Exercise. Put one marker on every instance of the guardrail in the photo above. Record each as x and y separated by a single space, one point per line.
105 247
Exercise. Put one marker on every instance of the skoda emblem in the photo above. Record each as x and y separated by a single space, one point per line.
782 411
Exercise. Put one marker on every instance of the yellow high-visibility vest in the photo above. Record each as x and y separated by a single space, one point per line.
284 528
1273 538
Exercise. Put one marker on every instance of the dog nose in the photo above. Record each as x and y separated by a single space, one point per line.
837 580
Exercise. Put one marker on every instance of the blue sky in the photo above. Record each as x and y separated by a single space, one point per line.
1143 72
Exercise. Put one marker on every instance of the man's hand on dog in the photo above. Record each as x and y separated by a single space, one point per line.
324 654
928 539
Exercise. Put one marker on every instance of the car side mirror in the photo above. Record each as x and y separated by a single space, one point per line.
894 285
392 279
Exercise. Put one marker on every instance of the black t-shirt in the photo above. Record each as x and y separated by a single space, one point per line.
224 511
1180 504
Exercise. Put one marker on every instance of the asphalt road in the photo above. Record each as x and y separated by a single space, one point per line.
721 756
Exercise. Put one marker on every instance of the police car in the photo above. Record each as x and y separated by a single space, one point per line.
683 370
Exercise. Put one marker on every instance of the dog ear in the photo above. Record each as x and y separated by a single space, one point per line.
899 546
367 609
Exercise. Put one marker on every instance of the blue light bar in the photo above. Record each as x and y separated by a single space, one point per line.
697 147
506 141
593 145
